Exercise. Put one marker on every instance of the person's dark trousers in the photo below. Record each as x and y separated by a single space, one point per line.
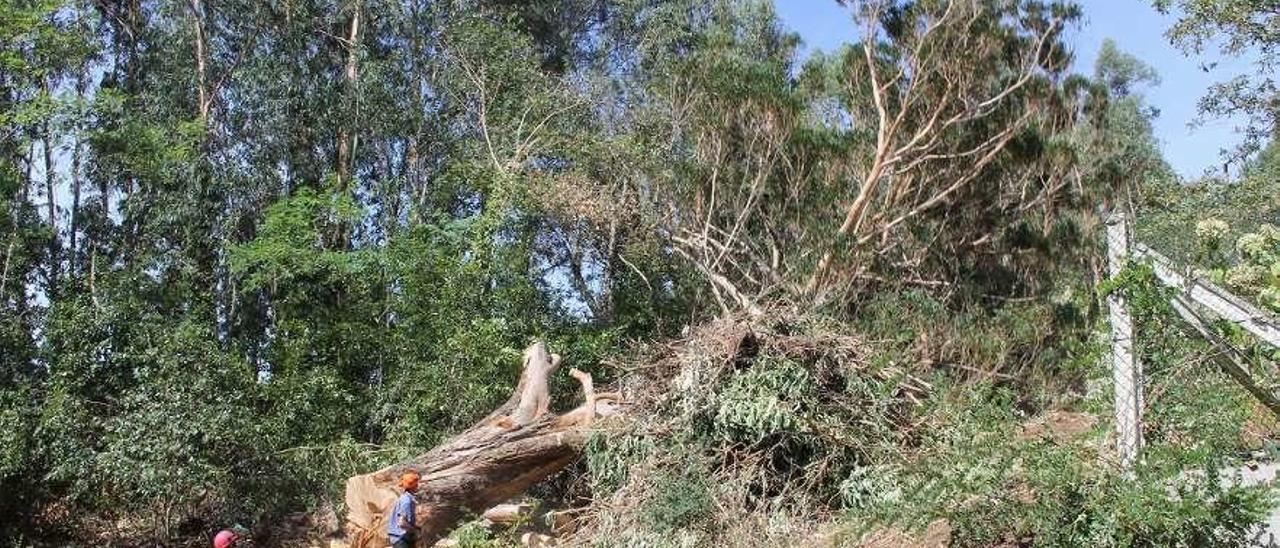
404 542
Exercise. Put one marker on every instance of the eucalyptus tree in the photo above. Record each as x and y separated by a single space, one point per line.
292 226
274 235
945 126
1247 29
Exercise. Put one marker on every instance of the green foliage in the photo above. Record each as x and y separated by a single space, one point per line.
290 248
16 440
1043 347
1239 255
682 499
741 448
1201 415
239 241
1233 28
766 153
994 487
1184 221
1121 71
972 456
609 457
190 407
765 402
474 535
1258 272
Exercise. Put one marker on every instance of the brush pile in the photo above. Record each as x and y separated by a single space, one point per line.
745 432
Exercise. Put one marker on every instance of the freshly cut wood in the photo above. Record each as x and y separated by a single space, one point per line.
536 540
516 446
508 513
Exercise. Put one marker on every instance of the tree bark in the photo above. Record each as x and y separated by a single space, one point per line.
50 190
202 89
515 447
73 230
345 139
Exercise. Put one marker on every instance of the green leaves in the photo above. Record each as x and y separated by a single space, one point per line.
768 401
16 433
295 243
1250 267
1121 71
196 305
1235 28
683 498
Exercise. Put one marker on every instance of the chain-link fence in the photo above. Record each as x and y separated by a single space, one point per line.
1126 368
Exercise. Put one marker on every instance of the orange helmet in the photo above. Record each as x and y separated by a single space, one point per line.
409 480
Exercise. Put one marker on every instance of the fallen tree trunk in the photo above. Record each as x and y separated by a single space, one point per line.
515 447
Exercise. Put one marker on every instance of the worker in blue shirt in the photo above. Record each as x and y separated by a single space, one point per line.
402 528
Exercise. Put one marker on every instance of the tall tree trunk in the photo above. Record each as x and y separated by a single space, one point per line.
346 141
8 251
341 237
8 258
202 245
76 159
416 193
75 210
202 88
50 184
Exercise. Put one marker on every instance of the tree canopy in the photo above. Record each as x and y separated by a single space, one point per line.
242 239
1234 29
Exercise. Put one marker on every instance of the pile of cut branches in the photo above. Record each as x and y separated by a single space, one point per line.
743 432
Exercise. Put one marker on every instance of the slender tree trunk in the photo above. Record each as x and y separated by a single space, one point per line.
8 256
416 194
76 159
346 141
93 272
610 269
203 247
75 210
341 232
8 251
202 89
50 183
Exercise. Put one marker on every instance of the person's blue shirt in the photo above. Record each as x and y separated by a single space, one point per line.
406 507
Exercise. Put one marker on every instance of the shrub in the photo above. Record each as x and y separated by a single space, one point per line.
776 425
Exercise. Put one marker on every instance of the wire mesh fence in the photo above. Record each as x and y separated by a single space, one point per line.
1125 367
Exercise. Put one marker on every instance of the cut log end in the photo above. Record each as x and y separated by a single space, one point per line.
516 446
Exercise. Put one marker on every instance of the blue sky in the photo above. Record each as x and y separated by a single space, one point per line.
1136 27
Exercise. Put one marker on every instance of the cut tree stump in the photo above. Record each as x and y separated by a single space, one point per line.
515 447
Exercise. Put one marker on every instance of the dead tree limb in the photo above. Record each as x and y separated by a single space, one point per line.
516 446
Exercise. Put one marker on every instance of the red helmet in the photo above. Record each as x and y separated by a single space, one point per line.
225 538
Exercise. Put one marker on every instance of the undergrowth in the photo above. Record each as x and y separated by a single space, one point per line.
797 433
996 486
